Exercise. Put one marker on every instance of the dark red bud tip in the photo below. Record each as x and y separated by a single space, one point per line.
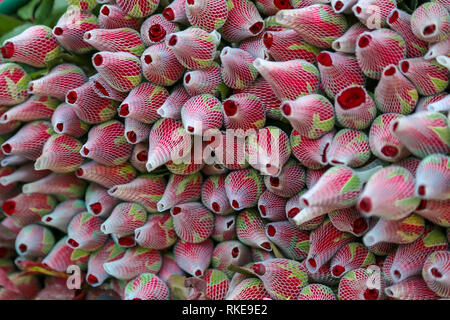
126 241
98 60
430 29
96 207
274 182
190 129
421 190
286 108
266 245
371 294
190 2
235 252
338 5
324 59
72 97
230 108
235 204
351 98
9 207
397 274
7 50
422 205
268 40
256 27
173 40
338 270
79 172
365 204
176 210
105 11
271 231
215 206
358 9
92 279
395 126
124 110
436 273
390 71
132 137
393 17
23 247
198 273
262 209
282 4
389 151
73 243
137 299
101 88
156 33
259 269
85 151
312 262
168 14
58 31
148 59
293 212
404 65
60 126
359 225
48 219
142 156
6 148
229 224
364 41
187 78
87 36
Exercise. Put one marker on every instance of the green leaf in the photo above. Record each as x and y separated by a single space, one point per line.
8 23
27 11
14 32
41 15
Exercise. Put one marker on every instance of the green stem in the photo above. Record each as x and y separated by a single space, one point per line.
38 74
240 270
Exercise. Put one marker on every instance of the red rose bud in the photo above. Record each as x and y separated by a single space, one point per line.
34 241
373 13
146 190
62 256
13 84
244 21
181 189
113 17
107 144
157 233
65 120
61 185
34 46
104 90
205 81
356 285
61 154
160 65
311 153
294 243
115 40
250 230
313 25
171 108
58 81
255 46
143 102
135 131
155 29
244 112
435 270
63 213
176 12
428 76
136 260
377 49
84 232
194 48
202 113
137 8
139 156
303 76
400 22
120 70
350 220
106 176
35 108
413 288
206 14
383 144
237 68
88 106
431 22
98 201
230 252
224 228
290 180
25 209
29 140
245 179
347 42
146 286
96 274
193 258
271 206
213 195
71 27
124 219
432 176
192 222
349 147
289 45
